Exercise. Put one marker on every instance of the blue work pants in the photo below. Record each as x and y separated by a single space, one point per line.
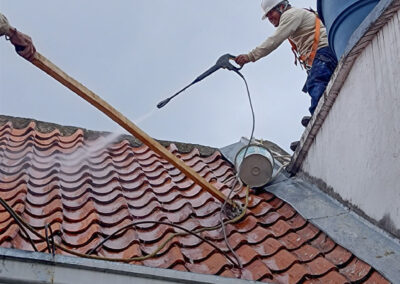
323 66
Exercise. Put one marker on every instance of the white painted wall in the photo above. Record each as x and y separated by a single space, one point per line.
357 150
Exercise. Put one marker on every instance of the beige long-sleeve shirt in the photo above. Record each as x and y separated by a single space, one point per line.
4 25
296 24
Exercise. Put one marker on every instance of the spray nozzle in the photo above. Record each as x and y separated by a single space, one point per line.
163 103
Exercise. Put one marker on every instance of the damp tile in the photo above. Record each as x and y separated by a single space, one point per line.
88 198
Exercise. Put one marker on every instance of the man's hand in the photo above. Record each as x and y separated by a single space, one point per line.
23 44
242 59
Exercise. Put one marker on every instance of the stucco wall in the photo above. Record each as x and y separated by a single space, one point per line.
357 150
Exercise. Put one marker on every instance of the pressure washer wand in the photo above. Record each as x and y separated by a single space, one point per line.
198 79
222 62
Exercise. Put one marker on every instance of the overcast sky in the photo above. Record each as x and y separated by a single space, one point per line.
135 53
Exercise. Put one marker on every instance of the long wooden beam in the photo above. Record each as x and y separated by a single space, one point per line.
47 66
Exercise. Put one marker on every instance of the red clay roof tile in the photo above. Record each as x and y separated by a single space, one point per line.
261 209
170 258
339 256
180 267
86 193
331 277
246 254
323 243
270 218
375 278
356 270
257 235
280 228
306 253
268 247
319 266
256 271
308 232
295 274
292 241
214 264
280 261
128 251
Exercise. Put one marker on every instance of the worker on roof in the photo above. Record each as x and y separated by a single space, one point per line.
309 42
22 42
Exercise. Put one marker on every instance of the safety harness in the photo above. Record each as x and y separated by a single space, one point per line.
307 60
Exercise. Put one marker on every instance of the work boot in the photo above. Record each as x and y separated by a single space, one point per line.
305 120
294 145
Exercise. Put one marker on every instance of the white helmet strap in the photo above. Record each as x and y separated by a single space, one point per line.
277 7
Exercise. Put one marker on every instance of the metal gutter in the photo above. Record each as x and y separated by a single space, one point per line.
361 37
18 266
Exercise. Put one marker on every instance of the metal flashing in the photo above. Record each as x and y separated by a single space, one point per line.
19 266
346 228
363 239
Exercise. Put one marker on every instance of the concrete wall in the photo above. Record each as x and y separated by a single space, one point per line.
356 153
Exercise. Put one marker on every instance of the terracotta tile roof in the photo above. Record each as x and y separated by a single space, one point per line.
85 202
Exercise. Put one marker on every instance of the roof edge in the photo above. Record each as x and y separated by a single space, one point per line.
46 127
37 267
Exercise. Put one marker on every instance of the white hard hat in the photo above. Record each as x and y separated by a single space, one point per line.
267 6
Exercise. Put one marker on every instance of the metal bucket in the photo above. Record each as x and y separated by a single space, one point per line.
255 170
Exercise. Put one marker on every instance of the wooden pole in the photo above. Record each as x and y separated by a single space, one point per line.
47 66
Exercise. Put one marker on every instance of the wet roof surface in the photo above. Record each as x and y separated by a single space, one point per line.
92 195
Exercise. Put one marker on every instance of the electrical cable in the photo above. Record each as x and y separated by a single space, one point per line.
237 179
15 217
223 210
23 224
46 226
252 111
180 234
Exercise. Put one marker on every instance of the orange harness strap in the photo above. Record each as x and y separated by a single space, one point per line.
305 60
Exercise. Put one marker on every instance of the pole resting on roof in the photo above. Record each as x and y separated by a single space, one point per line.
47 66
